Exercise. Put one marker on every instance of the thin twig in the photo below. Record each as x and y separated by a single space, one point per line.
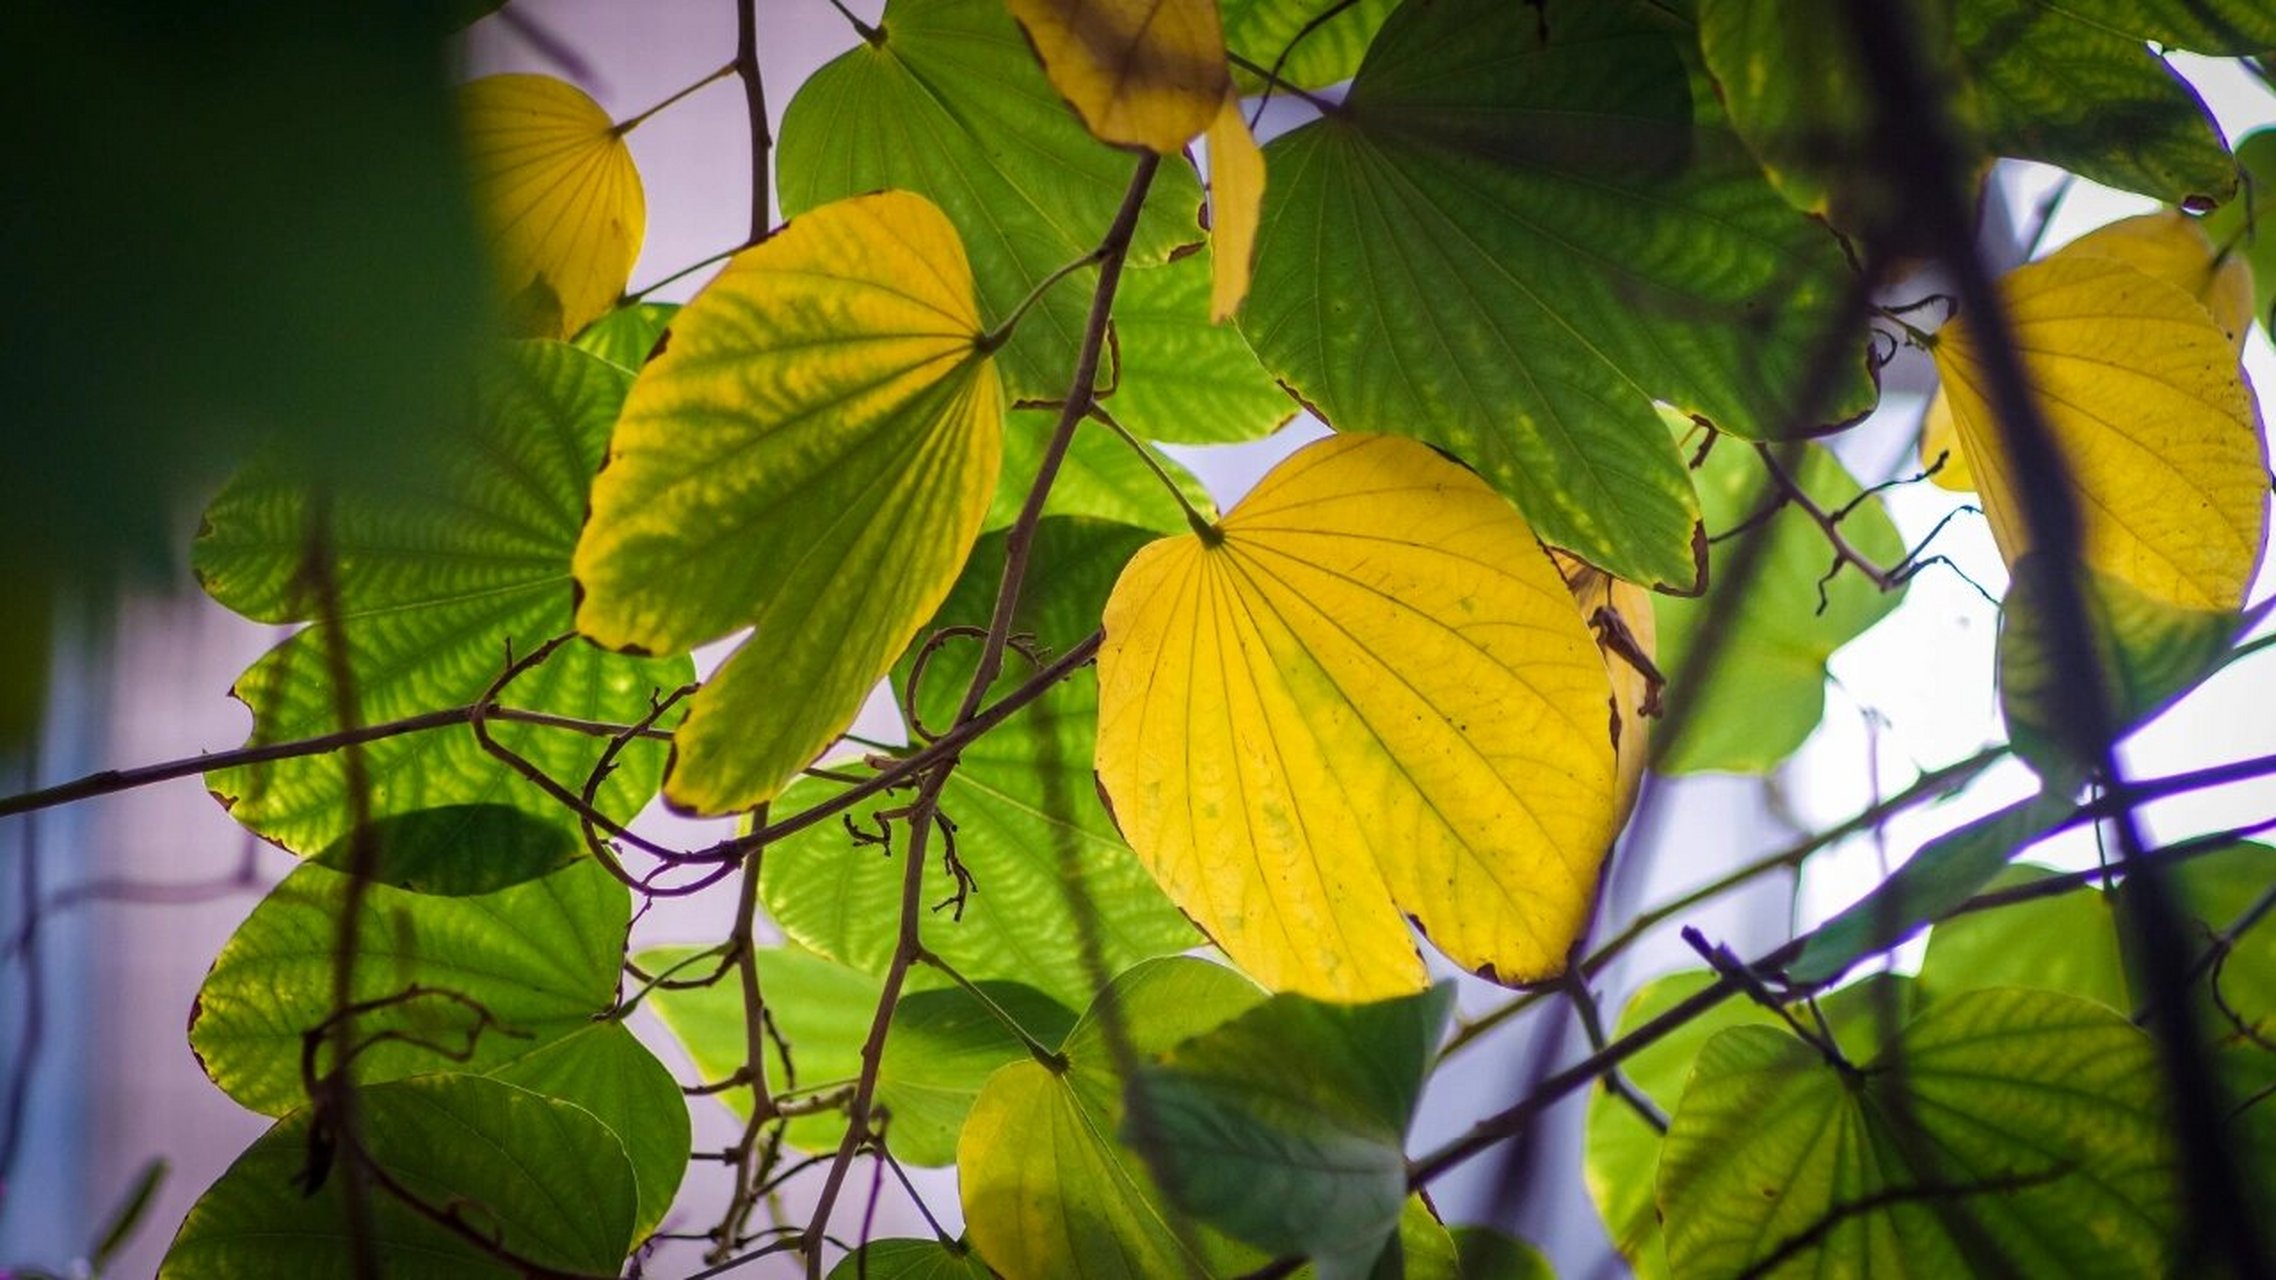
755 110
1018 546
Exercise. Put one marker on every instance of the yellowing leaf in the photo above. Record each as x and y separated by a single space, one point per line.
1940 438
2168 244
1236 200
2144 398
812 454
1370 698
560 197
1141 73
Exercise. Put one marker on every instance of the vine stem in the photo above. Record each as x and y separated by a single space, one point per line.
1932 785
746 65
1508 1122
923 812
112 781
1919 148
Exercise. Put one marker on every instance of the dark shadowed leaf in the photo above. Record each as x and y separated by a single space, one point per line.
457 849
2150 652
912 1260
2054 84
545 1178
1308 1160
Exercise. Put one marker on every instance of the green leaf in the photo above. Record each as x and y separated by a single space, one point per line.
2247 225
605 1070
1184 379
2066 943
1483 1253
1789 72
1311 1160
1047 1191
541 957
1766 693
933 107
2219 890
2057 85
2005 1132
1101 476
627 336
1945 873
2236 27
941 1047
1328 53
1621 1156
2150 652
911 1260
457 849
826 405
438 573
550 1181
1052 877
1424 270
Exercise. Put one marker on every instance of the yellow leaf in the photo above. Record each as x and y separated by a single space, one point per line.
2169 245
1141 73
1940 438
812 454
1236 200
2173 246
1370 698
559 195
2142 393
1620 613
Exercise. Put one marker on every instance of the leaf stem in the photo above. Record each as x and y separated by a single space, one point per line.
868 33
626 126
994 339
1202 526
1324 106
641 293
1053 1061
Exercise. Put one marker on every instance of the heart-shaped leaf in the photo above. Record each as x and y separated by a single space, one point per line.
558 190
2004 1132
1365 697
811 455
